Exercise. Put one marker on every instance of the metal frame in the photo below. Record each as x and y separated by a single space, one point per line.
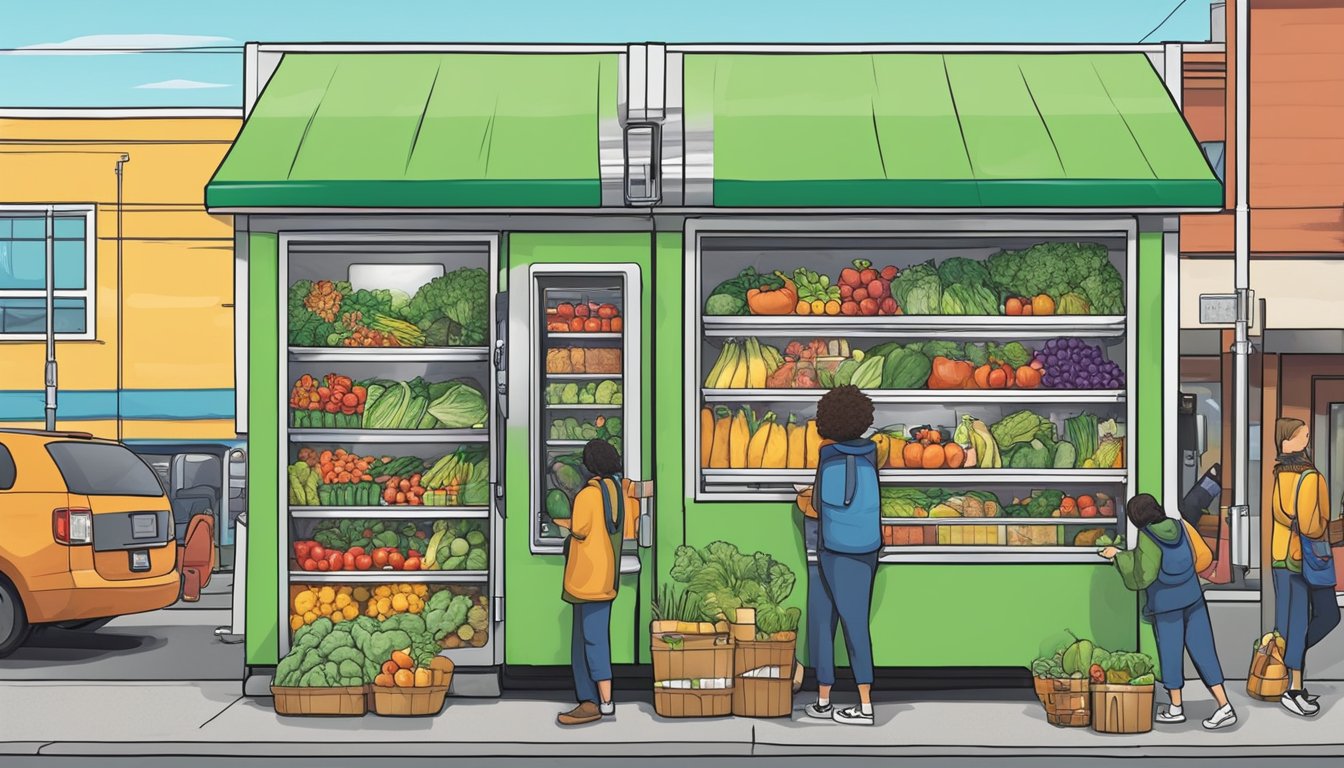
942 227
492 653
90 290
531 373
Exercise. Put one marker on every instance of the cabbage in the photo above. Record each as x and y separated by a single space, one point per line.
460 406
918 290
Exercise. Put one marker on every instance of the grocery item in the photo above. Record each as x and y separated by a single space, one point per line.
767 300
816 295
453 309
918 290
334 402
730 296
1055 269
1075 364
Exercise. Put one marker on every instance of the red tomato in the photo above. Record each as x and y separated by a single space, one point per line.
301 550
310 564
336 560
396 560
412 564
380 557
323 565
317 552
356 551
412 554
363 563
349 561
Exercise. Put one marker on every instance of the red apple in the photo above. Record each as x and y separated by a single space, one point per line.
868 307
889 306
846 290
868 275
1090 511
849 308
850 277
889 273
859 294
877 289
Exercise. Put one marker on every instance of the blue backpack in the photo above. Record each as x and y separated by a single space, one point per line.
1318 564
847 498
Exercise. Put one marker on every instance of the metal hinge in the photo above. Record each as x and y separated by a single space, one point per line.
499 608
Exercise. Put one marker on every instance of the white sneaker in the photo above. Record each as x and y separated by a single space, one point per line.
815 710
1298 705
1164 715
607 708
852 716
1224 717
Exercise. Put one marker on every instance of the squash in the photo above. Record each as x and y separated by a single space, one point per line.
933 457
812 444
738 438
797 437
883 442
896 456
718 452
756 446
776 446
955 455
706 436
913 454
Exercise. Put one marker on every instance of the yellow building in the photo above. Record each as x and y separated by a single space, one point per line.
145 334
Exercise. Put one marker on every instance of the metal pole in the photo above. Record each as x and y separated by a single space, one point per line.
50 372
120 356
1241 347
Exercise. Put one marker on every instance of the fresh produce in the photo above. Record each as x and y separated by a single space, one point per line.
816 295
571 428
461 478
1021 427
313 314
684 607
867 291
748 364
584 318
918 290
742 440
606 392
1123 668
325 602
725 579
303 482
1040 504
1081 430
325 655
982 443
951 374
767 300
1078 657
401 671
453 309
926 450
1056 269
457 545
1075 364
333 402
967 288
1029 455
730 296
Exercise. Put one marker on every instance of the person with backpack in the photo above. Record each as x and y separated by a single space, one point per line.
849 539
604 515
1165 566
1305 608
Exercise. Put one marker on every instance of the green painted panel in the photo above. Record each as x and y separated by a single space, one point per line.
1157 125
423 130
263 443
917 124
1005 136
1147 339
537 621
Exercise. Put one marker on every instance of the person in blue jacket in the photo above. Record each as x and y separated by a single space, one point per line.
849 538
1165 566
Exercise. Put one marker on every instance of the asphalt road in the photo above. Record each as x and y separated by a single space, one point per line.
176 643
103 761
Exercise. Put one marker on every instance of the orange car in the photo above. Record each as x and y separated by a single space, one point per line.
88 533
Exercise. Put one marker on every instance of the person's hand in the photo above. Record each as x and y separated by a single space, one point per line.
1109 553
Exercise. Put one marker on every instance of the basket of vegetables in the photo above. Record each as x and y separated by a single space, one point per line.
692 658
1122 692
1062 684
405 689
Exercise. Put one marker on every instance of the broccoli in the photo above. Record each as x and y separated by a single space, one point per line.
423 649
311 635
409 623
949 349
381 645
287 671
605 391
723 304
1105 291
352 673
339 638
1050 268
460 297
613 426
314 678
311 660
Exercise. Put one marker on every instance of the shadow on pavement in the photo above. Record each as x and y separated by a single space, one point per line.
48 644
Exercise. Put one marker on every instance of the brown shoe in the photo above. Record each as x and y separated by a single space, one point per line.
586 712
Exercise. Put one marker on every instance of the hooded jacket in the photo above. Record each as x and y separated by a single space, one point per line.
1139 567
1310 506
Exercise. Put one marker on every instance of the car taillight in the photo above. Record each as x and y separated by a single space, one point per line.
72 526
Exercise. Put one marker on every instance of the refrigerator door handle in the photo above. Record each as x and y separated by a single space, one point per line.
643 490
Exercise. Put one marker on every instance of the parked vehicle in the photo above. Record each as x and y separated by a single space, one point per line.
89 534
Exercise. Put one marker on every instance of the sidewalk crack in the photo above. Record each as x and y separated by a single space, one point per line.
220 712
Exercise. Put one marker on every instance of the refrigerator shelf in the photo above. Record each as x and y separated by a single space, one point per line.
381 436
385 576
584 376
921 327
389 354
581 407
985 553
1001 520
584 336
566 443
919 396
398 512
949 478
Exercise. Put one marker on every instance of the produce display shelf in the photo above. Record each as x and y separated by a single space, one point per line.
1000 520
389 576
923 397
390 512
566 443
922 327
583 336
389 354
366 436
581 407
941 477
985 554
584 376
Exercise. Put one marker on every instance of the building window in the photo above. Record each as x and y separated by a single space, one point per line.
1214 152
23 272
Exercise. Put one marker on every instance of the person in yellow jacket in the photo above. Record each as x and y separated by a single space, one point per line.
604 514
1305 611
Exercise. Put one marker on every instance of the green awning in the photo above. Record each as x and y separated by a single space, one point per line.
944 130
423 130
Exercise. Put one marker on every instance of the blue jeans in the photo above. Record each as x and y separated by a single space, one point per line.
590 649
1303 614
846 596
1187 629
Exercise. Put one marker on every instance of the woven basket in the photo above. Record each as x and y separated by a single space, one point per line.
1067 704
320 702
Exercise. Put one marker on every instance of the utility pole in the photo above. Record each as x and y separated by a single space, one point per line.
1241 346
121 162
50 373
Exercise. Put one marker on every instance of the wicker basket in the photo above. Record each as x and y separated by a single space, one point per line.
676 702
412 702
1067 704
763 696
320 702
1122 708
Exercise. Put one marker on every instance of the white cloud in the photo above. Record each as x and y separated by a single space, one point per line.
105 45
180 85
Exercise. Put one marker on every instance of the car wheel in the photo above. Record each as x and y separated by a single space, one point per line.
14 626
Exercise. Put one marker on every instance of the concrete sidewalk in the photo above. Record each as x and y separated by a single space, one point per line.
161 719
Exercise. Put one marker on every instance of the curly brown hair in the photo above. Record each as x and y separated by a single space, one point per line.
844 413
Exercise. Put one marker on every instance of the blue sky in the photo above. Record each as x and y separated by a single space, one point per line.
56 54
